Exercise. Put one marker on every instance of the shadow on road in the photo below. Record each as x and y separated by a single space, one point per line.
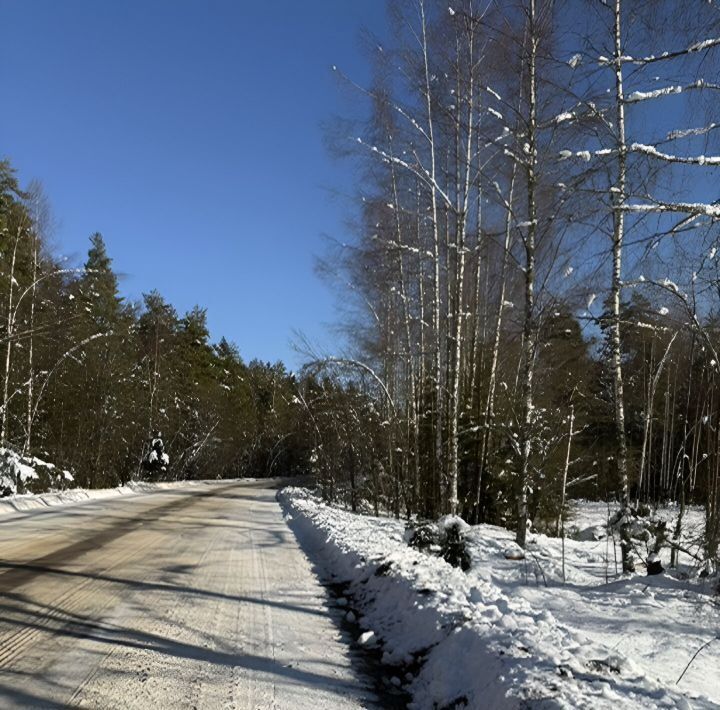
23 613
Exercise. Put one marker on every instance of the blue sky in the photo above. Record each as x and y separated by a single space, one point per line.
189 133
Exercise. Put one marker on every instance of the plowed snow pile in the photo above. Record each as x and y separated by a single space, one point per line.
509 633
29 502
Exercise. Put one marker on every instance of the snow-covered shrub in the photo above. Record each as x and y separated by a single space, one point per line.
156 460
163 459
642 528
423 535
28 474
453 544
444 538
654 564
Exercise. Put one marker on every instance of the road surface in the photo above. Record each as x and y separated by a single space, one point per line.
196 597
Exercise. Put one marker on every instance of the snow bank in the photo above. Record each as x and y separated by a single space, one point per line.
30 502
473 642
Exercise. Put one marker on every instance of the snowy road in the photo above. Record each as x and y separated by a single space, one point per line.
192 598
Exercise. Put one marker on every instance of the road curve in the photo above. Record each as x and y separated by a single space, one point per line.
197 597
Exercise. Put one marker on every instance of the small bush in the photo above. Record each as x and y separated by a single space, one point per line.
445 538
423 535
453 546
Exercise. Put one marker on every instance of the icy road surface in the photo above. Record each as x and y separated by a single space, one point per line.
197 597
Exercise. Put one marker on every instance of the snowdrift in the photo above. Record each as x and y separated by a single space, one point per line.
30 502
472 640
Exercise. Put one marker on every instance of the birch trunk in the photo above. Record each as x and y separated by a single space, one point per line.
461 229
566 467
437 364
489 417
31 340
529 316
652 388
413 426
618 197
10 326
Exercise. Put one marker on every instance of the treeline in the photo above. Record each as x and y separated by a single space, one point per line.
88 377
534 279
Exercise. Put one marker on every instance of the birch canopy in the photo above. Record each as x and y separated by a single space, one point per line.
533 174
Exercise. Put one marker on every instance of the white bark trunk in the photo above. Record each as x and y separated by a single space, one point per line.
31 371
460 240
437 363
10 326
618 197
529 329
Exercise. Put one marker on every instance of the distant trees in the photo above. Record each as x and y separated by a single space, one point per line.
88 377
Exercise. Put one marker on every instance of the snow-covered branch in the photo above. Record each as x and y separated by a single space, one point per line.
700 209
638 96
418 170
686 160
652 58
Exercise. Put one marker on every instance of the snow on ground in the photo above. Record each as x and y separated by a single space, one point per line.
659 622
28 502
588 519
509 633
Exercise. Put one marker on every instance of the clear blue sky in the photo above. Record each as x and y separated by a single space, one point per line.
188 133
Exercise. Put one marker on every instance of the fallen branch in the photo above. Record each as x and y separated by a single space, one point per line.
695 655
